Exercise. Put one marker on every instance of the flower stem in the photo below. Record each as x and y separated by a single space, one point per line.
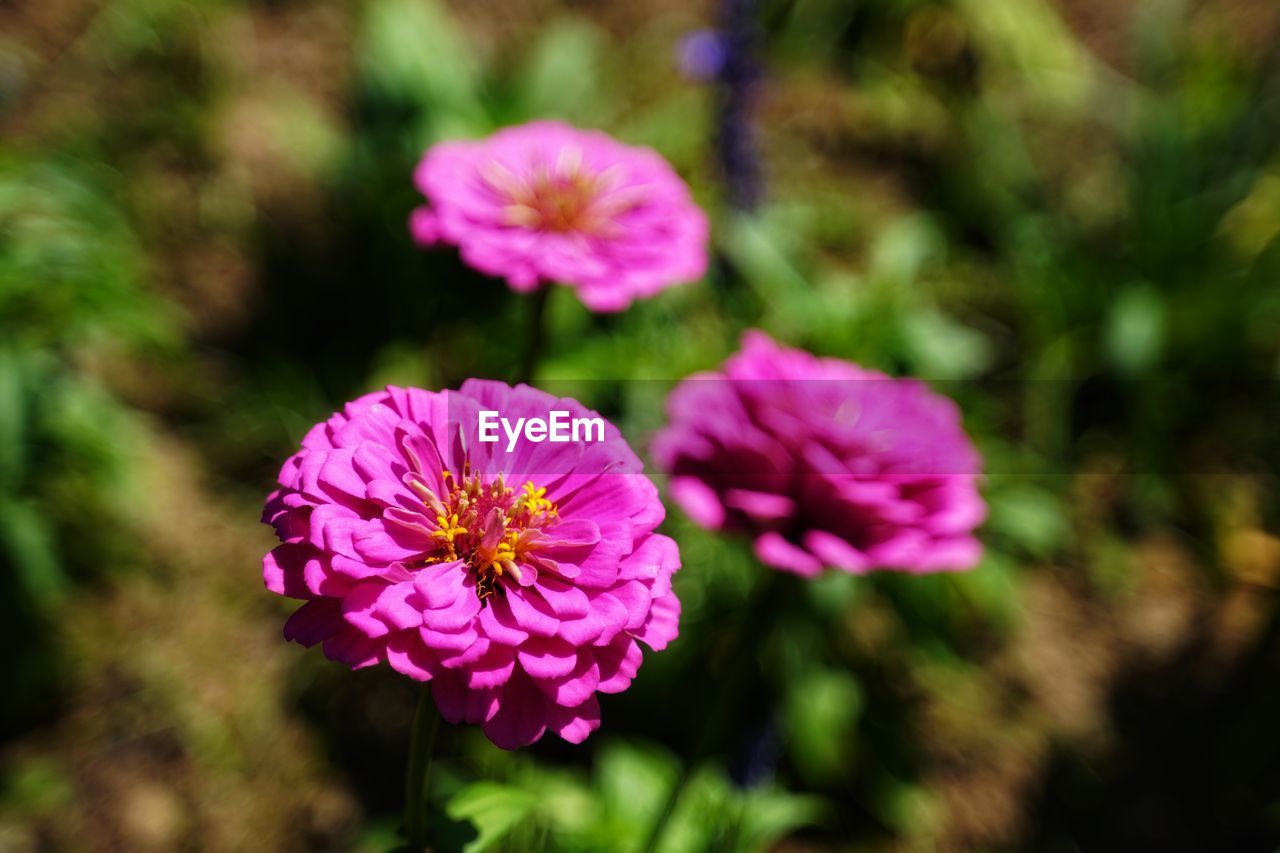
421 744
767 600
535 333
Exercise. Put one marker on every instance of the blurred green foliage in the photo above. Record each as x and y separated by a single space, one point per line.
613 809
69 292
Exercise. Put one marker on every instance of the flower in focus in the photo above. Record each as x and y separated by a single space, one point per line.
824 463
546 202
519 584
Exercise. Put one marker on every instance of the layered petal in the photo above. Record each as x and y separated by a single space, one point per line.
545 202
824 463
519 582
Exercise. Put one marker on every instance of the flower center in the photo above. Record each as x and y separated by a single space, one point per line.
489 526
551 201
565 197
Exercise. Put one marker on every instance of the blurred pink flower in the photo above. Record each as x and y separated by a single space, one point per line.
824 463
546 202
517 583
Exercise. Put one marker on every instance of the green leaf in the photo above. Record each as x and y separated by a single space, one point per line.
768 815
39 786
493 809
634 780
24 536
991 587
12 416
69 264
714 814
413 50
1029 516
910 808
942 348
903 248
755 249
560 76
1028 44
1135 330
822 710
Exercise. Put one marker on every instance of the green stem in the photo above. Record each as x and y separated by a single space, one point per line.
535 333
752 630
422 743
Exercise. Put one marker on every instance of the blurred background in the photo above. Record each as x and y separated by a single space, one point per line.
1063 213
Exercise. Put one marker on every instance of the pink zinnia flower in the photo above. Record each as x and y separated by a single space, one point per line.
546 202
517 583
824 463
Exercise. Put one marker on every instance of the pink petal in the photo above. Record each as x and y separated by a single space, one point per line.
358 607
635 597
466 657
458 704
456 641
662 625
699 501
400 606
337 475
619 662
353 648
597 565
374 462
771 548
576 687
575 724
372 427
521 717
547 658
456 616
442 584
835 551
314 621
529 611
566 600
357 570
321 580
762 507
570 534
493 668
500 626
608 617
407 655
381 541
953 554
282 570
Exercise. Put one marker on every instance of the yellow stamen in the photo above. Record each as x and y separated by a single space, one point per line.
535 500
449 528
488 525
